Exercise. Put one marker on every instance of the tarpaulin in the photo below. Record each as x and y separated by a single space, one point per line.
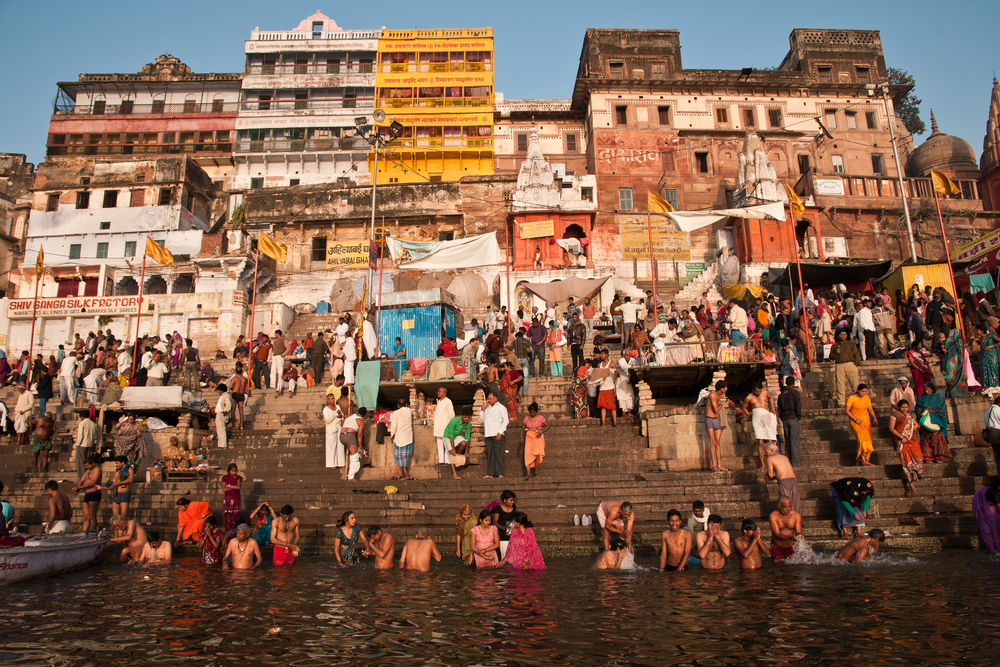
481 250
825 275
387 286
152 397
561 291
688 221
737 291
366 383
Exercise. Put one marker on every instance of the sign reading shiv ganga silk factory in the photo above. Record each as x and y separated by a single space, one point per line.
82 306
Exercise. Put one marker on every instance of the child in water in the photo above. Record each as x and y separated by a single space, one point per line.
613 558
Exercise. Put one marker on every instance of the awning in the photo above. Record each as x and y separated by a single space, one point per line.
824 275
474 251
560 291
688 221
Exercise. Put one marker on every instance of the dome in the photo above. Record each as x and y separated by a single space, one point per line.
942 152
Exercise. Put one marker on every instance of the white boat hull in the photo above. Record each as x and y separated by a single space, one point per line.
49 555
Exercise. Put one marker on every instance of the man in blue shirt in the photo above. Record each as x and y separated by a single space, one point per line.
537 334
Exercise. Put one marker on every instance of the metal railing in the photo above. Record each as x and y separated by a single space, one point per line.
433 102
139 149
299 145
879 186
411 143
128 109
725 351
276 105
401 68
419 370
310 68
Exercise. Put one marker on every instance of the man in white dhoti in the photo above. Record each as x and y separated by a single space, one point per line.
350 357
624 391
369 340
223 408
660 336
760 404
333 417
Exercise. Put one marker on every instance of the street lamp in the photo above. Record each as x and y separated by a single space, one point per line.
370 133
899 170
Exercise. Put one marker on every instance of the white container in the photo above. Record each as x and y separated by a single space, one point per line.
576 519
586 519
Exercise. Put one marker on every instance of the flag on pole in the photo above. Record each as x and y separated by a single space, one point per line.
276 250
795 202
158 253
943 184
658 204
39 262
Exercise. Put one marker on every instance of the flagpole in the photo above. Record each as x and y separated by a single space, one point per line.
652 269
34 309
138 317
253 301
508 260
804 315
381 277
951 271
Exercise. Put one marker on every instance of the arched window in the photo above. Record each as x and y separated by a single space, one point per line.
127 286
184 284
155 285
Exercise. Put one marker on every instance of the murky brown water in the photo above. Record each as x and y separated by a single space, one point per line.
934 609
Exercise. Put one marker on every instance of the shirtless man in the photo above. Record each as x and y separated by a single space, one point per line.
786 527
244 551
417 553
130 535
60 511
89 486
611 559
862 547
749 546
713 544
675 545
41 440
238 389
713 423
765 427
382 546
156 551
780 468
285 537
616 516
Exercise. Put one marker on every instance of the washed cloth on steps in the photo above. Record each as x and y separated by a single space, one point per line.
366 383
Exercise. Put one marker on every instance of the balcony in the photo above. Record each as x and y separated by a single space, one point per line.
306 105
873 187
301 145
434 102
128 109
420 143
139 149
400 68
323 68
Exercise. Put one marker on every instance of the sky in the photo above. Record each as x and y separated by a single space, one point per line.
951 54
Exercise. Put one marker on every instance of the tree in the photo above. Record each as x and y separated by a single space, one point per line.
907 106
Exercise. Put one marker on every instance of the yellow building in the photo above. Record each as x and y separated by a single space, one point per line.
439 85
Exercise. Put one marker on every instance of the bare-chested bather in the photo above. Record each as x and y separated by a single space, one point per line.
675 545
749 546
611 559
131 536
862 547
244 551
156 551
713 544
616 516
382 546
417 553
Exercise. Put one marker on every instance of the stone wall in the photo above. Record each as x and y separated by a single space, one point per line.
678 440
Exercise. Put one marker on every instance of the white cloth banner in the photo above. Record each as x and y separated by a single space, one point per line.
152 397
482 250
688 221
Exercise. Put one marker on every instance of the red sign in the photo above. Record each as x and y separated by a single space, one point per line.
373 254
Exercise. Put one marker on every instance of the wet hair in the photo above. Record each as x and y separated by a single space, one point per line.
507 494
902 402
343 518
721 384
232 466
484 514
626 507
533 407
862 386
715 518
52 485
521 519
748 524
673 513
373 531
876 533
287 510
183 502
697 505
211 521
152 536
618 544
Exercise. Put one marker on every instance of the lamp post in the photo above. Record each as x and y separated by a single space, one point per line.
370 134
899 170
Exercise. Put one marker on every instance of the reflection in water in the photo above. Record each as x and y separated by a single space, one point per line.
941 608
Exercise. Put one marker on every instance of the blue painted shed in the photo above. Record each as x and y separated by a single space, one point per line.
420 318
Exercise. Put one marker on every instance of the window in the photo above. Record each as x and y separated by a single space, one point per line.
130 249
301 97
825 74
52 202
701 160
435 178
256 183
446 236
317 29
722 115
106 224
74 251
621 115
293 181
870 120
166 194
667 159
190 106
263 101
110 198
663 115
624 199
83 200
852 120
85 180
218 106
878 164
102 251
803 164
863 75
658 70
587 194
616 70
319 248
774 117
522 143
126 107
748 118
301 64
830 118
670 194
838 164
137 198
571 142
99 107
140 178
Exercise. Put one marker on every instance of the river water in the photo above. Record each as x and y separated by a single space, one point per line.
941 608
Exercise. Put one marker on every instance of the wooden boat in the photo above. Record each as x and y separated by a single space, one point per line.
49 555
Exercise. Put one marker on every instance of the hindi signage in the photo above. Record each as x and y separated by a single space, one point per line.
84 306
830 186
977 248
668 242
537 230
347 254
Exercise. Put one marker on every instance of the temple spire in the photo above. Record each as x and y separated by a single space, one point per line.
934 125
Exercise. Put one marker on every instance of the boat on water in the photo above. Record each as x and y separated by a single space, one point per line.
49 555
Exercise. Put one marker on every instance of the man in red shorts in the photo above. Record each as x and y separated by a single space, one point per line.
786 527
285 537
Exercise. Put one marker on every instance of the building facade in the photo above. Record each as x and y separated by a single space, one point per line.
989 164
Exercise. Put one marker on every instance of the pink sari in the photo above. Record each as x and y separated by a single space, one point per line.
481 542
522 550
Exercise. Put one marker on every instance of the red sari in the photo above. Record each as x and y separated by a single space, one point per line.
509 387
921 370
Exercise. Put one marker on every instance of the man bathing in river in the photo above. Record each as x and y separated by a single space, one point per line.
89 485
780 468
611 559
285 537
244 551
616 517
786 527
749 546
760 405
156 551
417 553
60 511
131 536
713 544
382 546
861 547
675 545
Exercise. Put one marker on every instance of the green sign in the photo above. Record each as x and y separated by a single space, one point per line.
695 269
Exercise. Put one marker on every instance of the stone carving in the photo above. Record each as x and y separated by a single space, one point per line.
757 175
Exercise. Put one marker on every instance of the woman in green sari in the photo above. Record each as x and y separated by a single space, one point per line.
345 540
991 354
465 521
932 415
953 364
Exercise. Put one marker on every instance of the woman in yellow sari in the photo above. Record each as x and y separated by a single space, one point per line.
465 521
862 415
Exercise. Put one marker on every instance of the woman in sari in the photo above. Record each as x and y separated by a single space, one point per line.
824 326
957 366
578 391
178 345
640 339
990 354
916 322
510 385
553 345
862 415
263 515
522 551
128 440
210 543
920 368
465 521
851 499
932 415
398 355
4 370
485 542
345 540
533 438
970 312
902 313
904 429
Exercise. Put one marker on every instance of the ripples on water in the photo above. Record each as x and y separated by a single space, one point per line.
942 608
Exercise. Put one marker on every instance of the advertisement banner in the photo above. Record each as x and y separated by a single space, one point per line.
83 306
668 242
347 254
977 248
459 44
537 230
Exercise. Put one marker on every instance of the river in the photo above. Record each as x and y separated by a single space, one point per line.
898 609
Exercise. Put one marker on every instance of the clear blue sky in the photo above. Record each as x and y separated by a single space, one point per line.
952 49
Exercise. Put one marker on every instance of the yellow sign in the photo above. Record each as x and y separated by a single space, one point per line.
461 44
409 324
346 254
977 248
74 306
537 230
668 243
423 80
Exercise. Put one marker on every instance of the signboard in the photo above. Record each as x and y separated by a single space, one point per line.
372 255
740 198
537 230
977 248
239 298
668 242
695 269
83 306
347 254
830 186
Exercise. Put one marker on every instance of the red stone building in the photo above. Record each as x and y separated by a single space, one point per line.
989 164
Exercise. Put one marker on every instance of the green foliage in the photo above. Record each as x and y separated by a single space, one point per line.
907 106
